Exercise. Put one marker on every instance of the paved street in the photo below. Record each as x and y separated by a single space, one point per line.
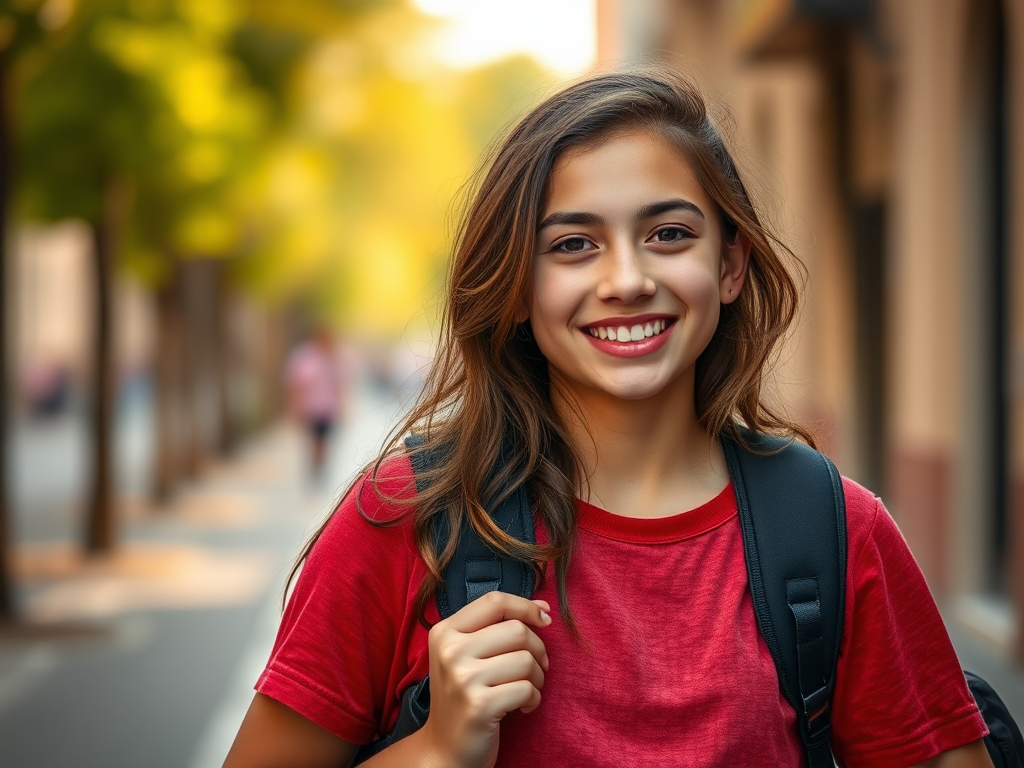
154 653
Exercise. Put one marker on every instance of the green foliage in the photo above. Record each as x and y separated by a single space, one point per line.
382 140
142 93
315 141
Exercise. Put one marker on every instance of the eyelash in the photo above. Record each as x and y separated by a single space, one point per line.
684 234
557 247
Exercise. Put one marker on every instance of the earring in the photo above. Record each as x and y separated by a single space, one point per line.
730 290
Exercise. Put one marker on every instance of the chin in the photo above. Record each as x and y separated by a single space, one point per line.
639 390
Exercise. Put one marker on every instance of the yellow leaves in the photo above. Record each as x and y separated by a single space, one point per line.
203 162
203 85
342 196
197 89
330 88
212 17
389 269
358 196
298 179
313 18
137 48
206 230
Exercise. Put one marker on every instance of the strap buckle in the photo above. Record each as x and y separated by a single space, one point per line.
817 725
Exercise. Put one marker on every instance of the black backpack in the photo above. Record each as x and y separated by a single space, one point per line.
793 517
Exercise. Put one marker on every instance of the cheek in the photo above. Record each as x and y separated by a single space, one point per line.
695 284
553 300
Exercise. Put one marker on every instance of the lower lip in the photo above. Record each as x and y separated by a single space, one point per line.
630 348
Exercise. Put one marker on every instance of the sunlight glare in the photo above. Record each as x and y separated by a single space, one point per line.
560 34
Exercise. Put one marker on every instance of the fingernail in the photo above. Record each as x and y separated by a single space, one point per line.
545 617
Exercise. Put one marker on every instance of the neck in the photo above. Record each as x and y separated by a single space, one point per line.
643 458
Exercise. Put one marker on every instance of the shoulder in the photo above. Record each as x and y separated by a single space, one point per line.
366 553
900 694
376 511
872 533
372 525
862 510
386 491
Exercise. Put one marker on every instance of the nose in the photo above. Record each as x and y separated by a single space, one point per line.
625 275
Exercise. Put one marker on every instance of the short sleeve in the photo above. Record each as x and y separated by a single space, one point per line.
901 697
336 655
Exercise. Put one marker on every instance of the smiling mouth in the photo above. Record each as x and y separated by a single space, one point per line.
626 334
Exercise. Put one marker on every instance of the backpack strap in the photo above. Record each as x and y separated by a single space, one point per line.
793 516
476 569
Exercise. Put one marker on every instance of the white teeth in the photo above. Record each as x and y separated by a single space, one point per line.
622 334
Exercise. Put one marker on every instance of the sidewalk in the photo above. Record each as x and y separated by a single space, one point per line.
170 634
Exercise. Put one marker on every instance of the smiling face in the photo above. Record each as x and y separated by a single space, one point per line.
630 270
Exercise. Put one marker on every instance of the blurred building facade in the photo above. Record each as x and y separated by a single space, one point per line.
883 133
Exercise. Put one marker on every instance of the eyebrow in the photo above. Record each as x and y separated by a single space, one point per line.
665 206
646 212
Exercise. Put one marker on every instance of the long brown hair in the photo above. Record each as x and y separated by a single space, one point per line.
486 404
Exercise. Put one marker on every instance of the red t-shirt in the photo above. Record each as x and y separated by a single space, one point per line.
671 670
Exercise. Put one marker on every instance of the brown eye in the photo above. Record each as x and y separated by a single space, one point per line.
573 245
671 235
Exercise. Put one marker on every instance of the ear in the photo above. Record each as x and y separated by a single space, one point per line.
735 260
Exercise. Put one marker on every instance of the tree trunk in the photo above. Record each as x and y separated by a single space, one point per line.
280 334
8 611
167 374
195 364
224 364
99 534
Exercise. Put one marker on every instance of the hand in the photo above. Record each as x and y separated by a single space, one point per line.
485 661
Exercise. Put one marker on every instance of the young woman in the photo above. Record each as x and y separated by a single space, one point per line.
613 303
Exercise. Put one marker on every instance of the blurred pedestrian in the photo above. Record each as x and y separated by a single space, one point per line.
315 376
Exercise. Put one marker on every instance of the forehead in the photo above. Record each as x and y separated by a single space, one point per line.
626 169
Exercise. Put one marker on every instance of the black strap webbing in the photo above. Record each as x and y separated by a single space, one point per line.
793 517
476 569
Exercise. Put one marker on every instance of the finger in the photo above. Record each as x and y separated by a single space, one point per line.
508 668
495 607
511 696
506 637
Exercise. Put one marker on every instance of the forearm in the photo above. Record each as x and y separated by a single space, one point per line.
973 755
414 751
